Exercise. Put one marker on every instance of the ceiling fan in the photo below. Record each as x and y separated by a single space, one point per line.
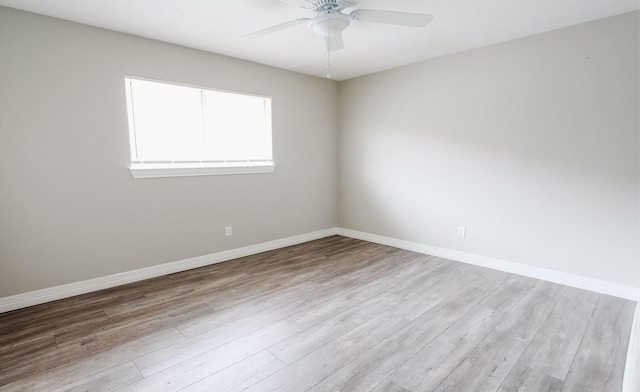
330 20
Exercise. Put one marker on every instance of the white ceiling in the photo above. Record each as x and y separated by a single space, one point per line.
218 25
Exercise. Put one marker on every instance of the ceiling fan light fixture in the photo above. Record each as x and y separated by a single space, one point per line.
330 23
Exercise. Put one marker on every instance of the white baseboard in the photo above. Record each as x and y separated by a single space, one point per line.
69 290
632 367
581 282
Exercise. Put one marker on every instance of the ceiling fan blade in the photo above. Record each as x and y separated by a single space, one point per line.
392 17
299 3
334 42
275 28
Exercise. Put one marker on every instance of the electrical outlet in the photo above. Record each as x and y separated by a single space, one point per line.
462 231
228 231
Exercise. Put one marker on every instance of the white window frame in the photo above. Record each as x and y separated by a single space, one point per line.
142 169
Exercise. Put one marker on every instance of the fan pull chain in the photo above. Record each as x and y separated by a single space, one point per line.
329 52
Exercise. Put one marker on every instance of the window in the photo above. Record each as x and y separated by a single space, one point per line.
178 130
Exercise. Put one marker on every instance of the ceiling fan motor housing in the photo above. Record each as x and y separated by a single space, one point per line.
327 5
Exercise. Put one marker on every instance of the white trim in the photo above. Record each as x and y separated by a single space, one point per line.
199 170
581 282
631 381
196 86
69 290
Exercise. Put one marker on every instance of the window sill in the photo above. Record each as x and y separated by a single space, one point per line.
156 171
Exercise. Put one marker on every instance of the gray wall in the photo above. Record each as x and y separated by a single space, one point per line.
69 208
531 144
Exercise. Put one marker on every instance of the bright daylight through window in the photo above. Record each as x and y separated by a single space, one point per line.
178 130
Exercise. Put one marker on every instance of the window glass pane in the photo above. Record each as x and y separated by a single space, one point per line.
168 121
179 126
236 127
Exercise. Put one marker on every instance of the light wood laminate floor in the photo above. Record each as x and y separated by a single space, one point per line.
331 315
